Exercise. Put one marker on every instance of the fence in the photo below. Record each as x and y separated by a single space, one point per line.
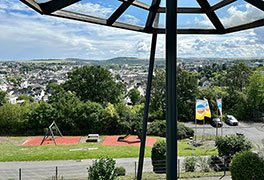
80 172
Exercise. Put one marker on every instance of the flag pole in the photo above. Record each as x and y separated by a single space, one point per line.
195 121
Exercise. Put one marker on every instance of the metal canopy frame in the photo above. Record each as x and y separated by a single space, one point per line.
55 8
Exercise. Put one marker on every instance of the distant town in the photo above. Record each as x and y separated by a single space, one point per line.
31 77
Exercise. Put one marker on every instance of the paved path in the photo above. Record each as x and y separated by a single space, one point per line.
36 170
210 178
69 169
253 131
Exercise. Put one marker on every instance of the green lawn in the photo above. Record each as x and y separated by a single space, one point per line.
11 150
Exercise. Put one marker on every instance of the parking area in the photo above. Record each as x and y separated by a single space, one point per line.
253 131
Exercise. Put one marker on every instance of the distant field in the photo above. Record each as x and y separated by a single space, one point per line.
11 150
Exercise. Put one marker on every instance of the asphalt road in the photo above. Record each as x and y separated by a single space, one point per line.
68 169
253 131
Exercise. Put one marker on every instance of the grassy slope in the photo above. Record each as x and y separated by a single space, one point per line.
12 152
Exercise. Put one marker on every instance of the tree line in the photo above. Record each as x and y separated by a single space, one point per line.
92 101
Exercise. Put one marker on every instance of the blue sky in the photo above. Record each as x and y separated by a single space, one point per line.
27 35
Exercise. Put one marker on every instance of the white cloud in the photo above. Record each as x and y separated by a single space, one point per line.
25 34
237 17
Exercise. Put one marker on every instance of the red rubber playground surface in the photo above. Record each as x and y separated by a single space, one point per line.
131 140
35 141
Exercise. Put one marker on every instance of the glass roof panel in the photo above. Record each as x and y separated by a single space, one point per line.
188 3
239 13
182 3
134 16
102 9
213 2
200 21
189 21
148 2
42 1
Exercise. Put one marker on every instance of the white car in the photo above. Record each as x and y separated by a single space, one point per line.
231 120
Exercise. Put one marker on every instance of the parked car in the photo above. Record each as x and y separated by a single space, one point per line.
216 122
231 120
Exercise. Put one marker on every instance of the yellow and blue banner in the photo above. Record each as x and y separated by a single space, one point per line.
207 112
219 105
200 109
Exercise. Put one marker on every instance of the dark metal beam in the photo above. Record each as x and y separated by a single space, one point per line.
257 3
222 4
138 4
95 20
171 68
183 10
189 31
32 4
211 15
146 108
54 5
120 10
254 24
152 14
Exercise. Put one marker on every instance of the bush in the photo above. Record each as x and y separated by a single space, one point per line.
189 164
120 171
102 169
247 166
158 157
219 163
230 145
158 128
203 164
184 132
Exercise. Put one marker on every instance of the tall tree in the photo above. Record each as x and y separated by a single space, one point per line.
134 96
94 83
237 76
64 103
2 98
255 91
187 89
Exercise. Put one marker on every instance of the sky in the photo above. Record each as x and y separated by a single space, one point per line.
26 34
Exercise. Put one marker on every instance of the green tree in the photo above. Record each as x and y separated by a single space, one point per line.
12 118
94 83
25 97
157 103
40 117
64 103
237 76
187 89
110 122
134 96
87 117
2 98
130 118
255 91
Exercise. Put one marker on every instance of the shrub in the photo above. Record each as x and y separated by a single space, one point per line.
189 164
184 131
158 128
219 163
203 164
247 166
120 171
230 145
158 157
102 169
